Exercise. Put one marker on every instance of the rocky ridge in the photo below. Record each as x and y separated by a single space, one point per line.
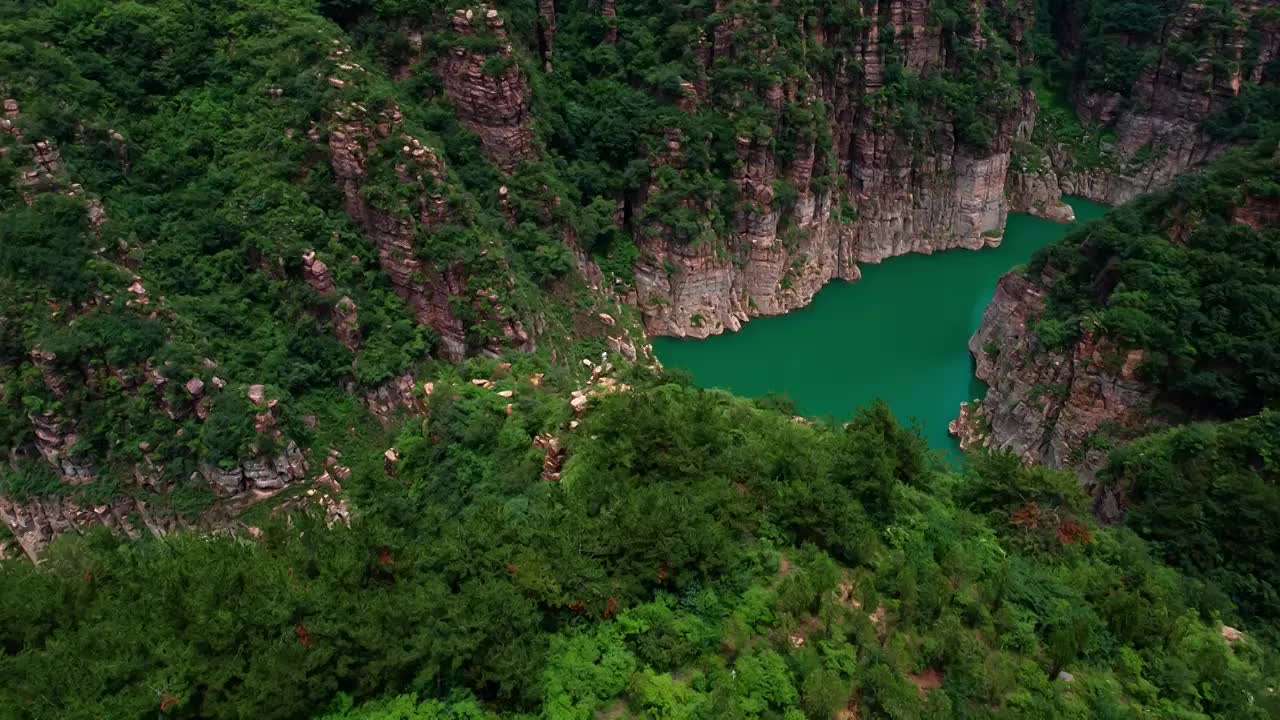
493 104
430 289
1041 404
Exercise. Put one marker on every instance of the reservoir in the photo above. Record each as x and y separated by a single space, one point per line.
900 333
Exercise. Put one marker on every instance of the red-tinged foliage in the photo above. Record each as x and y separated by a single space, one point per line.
1026 517
1071 531
304 637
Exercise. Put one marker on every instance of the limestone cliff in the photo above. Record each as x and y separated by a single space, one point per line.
434 290
488 90
876 191
426 290
258 473
1044 405
1195 63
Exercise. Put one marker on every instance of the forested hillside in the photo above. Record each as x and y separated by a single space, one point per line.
698 557
325 385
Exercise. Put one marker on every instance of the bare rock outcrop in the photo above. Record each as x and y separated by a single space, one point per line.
1257 212
426 289
399 394
609 11
262 472
546 30
1043 404
317 274
1036 192
490 92
55 439
346 325
35 522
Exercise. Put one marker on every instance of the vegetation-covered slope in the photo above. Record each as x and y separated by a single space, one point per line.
1162 313
699 557
1192 277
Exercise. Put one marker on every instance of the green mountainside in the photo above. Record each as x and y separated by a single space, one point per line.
325 389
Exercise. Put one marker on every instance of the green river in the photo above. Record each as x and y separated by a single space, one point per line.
900 333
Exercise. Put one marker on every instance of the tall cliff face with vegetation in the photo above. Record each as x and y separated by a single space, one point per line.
727 159
214 253
1134 95
1140 352
854 132
1161 313
339 196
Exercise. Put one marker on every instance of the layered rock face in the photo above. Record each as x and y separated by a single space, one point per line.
1045 405
489 92
1201 62
884 193
396 227
427 290
36 521
1038 192
546 31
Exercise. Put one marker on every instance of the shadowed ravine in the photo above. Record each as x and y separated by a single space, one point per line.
899 334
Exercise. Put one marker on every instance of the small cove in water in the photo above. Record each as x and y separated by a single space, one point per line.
899 334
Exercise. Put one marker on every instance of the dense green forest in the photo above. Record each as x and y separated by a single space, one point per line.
506 547
1190 276
700 557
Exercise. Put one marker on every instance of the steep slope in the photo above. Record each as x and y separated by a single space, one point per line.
1161 88
1161 312
214 253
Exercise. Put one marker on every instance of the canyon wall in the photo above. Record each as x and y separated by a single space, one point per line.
1159 314
436 287
877 191
1044 404
1195 63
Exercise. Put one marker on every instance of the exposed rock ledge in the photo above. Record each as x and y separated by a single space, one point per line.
1046 405
703 289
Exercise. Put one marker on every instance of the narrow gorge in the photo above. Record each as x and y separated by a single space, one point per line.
898 334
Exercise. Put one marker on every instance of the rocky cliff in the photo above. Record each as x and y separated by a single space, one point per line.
1192 62
435 289
1160 313
488 89
861 187
1046 405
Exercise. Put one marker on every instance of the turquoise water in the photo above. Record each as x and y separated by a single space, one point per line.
900 333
